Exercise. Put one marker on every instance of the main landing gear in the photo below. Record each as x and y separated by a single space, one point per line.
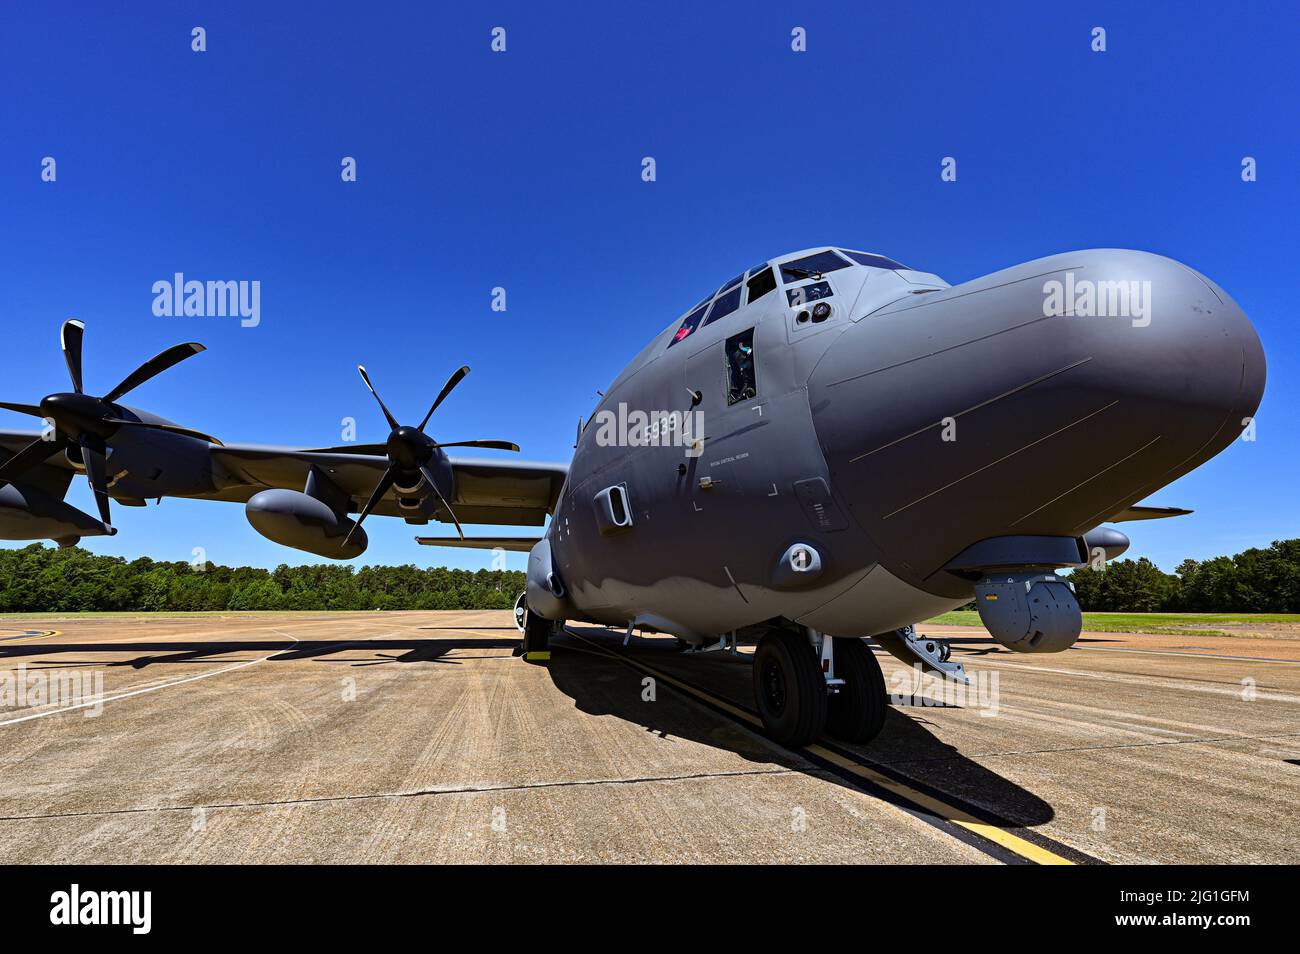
806 683
536 645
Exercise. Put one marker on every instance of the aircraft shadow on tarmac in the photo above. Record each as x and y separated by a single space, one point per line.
154 653
603 686
905 747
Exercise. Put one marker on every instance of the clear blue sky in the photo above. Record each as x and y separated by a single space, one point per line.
522 170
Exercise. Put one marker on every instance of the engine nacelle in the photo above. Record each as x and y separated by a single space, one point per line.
294 519
1029 612
545 593
29 514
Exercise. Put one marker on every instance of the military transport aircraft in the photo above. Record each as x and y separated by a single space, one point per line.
831 446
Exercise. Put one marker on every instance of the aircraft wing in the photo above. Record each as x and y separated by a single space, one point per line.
1146 513
505 492
52 477
514 544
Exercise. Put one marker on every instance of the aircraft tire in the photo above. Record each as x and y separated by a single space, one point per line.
537 637
857 712
789 688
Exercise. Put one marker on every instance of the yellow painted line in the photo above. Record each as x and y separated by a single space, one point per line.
1025 849
1014 843
28 634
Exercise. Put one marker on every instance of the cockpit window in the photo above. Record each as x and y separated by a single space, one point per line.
761 283
688 325
725 305
875 261
726 285
811 266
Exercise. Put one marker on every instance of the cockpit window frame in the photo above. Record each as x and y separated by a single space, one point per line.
840 261
696 313
873 260
722 302
755 273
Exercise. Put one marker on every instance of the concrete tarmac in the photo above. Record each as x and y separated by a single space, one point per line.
419 737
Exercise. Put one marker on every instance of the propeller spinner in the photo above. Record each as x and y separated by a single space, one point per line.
86 422
411 453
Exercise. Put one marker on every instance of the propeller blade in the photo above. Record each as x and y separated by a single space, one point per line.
31 409
70 340
381 488
494 445
360 450
92 455
37 452
173 428
154 366
457 376
428 477
392 421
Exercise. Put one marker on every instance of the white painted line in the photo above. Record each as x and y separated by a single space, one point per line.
135 692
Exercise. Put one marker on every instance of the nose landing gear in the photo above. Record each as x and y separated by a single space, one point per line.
807 683
856 711
536 644
789 688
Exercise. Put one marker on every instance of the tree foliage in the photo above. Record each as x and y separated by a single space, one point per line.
1254 581
39 578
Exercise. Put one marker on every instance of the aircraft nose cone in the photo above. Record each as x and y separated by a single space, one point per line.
1182 359
1041 399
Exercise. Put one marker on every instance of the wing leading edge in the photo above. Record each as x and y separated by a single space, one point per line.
498 492
1147 513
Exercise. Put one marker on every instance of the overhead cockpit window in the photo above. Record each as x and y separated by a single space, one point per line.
741 383
688 326
726 285
725 305
811 266
761 283
875 261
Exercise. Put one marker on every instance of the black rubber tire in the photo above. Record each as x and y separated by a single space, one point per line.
789 688
857 712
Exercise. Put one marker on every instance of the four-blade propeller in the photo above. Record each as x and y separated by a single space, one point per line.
411 453
85 422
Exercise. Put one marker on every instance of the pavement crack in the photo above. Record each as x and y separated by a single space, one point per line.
417 793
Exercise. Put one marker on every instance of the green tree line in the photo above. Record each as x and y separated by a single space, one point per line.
1254 581
39 578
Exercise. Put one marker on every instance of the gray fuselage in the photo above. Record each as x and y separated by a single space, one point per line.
846 460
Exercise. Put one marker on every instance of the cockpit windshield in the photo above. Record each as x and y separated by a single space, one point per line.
874 261
811 266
